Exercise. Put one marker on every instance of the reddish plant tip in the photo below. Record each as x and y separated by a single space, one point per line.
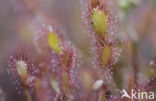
54 47
22 70
102 23
101 19
49 39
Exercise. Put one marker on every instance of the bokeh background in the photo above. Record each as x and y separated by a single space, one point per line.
137 22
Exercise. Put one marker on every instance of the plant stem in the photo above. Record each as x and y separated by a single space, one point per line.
27 94
134 40
135 60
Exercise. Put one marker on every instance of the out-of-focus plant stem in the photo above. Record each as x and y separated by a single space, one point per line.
134 40
27 94
135 60
69 96
126 9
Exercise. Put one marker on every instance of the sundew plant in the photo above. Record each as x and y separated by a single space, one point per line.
77 50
